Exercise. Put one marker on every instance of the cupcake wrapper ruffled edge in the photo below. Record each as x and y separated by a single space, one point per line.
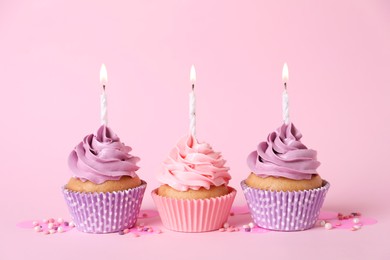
104 212
194 215
285 211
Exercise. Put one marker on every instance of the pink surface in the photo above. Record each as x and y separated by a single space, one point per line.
338 55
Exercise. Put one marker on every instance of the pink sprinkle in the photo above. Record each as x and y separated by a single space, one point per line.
60 220
135 235
221 230
71 224
229 229
139 228
144 215
35 223
232 213
51 220
150 230
50 225
52 231
45 221
226 225
46 232
337 224
126 230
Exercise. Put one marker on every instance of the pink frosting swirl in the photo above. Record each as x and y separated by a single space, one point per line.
284 155
192 165
102 157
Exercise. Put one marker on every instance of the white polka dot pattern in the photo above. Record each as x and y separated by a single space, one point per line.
285 211
105 212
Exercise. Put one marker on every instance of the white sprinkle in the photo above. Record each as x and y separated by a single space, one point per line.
356 220
328 226
251 225
322 223
226 225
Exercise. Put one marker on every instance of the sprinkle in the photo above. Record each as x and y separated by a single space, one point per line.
248 229
126 230
232 213
139 228
141 225
60 220
322 223
121 233
226 225
46 232
328 226
52 231
50 225
135 235
338 224
72 224
355 220
229 229
45 221
251 225
35 223
38 228
144 215
51 220
245 226
145 229
66 223
222 230
150 230
60 229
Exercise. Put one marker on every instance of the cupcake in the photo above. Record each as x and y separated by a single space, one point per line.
284 190
104 194
194 195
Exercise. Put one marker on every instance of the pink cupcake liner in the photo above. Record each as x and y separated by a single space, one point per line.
196 215
104 212
285 211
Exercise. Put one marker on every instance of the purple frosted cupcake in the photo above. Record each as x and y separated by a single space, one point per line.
284 190
105 194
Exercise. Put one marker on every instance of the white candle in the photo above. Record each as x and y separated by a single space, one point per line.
286 115
103 97
192 102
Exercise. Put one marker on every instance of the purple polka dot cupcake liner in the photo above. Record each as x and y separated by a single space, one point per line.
285 210
104 212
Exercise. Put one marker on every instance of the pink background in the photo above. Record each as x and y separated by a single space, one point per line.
338 55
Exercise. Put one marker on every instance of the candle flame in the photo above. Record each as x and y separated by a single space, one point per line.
285 73
103 74
192 75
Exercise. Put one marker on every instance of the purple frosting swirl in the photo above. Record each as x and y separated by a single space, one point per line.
283 155
102 157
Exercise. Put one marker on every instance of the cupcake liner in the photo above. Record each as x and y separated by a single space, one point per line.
285 211
194 215
104 212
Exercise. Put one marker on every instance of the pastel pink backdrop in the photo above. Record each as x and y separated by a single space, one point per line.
50 54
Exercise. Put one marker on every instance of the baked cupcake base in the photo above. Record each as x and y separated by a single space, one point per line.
104 212
285 210
194 215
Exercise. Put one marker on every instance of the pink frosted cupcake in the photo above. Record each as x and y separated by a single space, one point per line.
284 190
194 195
105 194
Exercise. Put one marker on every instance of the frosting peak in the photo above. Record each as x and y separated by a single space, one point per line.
102 157
193 165
284 155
